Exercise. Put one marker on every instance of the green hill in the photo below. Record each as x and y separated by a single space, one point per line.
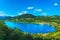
26 16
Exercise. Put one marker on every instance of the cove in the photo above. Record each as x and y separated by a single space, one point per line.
31 28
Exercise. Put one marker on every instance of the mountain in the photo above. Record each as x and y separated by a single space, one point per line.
5 17
2 17
26 16
20 16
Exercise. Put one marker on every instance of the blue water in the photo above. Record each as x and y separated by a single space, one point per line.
31 28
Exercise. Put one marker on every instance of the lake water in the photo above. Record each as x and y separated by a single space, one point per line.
31 28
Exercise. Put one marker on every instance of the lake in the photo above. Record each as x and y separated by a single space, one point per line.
31 28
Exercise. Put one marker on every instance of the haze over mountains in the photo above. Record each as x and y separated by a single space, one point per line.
23 16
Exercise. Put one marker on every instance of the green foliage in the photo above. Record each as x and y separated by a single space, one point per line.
12 34
16 34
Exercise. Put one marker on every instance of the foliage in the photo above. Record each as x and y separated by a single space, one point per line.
16 34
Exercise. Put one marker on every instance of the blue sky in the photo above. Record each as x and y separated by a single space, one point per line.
35 7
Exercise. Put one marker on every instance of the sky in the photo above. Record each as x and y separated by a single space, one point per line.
35 7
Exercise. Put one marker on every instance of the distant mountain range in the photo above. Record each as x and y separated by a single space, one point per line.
4 17
23 16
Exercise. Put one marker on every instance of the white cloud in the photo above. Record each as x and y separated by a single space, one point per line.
55 4
12 15
44 14
30 7
20 13
23 12
38 10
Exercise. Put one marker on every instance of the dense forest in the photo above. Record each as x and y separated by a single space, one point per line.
36 19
